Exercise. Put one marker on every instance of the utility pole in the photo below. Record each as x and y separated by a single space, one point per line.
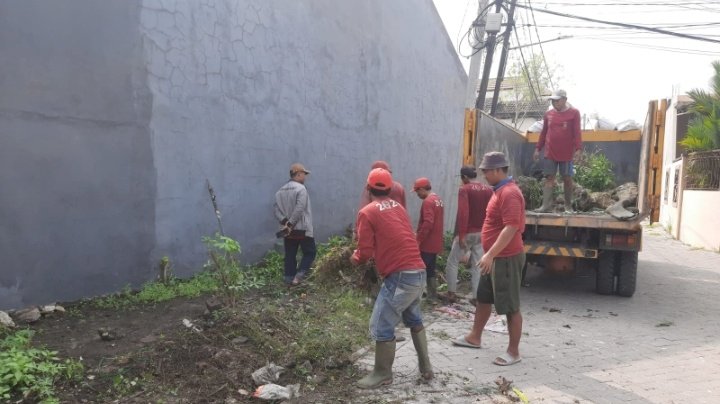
503 58
490 48
474 72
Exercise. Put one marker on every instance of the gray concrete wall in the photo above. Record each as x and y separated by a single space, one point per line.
77 184
114 114
243 89
495 135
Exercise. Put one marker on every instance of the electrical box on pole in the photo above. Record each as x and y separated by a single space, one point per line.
493 22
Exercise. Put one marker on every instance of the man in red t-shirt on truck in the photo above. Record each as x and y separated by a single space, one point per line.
501 265
562 139
385 234
429 231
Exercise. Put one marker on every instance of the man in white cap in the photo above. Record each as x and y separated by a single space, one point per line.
562 140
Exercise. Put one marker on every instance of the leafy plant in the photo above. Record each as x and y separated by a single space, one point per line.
593 171
30 373
704 130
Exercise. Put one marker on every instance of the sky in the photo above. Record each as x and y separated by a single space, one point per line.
611 71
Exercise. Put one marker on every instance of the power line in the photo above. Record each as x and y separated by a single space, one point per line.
620 24
659 48
637 4
540 42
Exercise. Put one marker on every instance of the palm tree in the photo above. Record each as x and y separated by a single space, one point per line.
704 130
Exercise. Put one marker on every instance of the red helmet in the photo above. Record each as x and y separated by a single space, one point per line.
380 179
421 182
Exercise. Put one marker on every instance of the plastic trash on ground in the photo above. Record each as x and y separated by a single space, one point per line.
276 392
267 374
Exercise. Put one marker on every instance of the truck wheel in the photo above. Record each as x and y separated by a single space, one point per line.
627 278
605 278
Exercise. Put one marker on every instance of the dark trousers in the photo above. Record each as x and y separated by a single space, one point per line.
430 260
307 246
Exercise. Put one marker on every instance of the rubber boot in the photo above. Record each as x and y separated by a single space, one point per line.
382 372
432 288
568 193
547 205
420 343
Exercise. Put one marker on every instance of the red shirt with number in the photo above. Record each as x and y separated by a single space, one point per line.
473 199
561 134
385 234
430 225
506 208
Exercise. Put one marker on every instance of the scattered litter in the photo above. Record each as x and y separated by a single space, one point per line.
664 324
496 324
453 312
189 324
554 310
106 334
244 392
567 326
275 392
613 314
520 395
267 374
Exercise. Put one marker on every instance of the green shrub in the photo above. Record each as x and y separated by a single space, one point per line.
594 172
29 373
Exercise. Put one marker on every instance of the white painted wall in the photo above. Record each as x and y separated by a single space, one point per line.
700 225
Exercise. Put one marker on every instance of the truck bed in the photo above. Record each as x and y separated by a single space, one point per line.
599 220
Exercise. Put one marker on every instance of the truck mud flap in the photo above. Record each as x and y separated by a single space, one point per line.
560 249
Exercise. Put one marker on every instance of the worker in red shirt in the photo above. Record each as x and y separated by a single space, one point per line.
397 192
501 265
562 140
385 234
473 198
429 231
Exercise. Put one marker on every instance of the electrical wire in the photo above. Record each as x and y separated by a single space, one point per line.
620 24
540 42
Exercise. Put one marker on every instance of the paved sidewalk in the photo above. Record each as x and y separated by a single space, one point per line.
660 346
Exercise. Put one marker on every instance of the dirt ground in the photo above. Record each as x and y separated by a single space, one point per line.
149 355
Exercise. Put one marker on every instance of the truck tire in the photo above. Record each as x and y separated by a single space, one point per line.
605 278
627 278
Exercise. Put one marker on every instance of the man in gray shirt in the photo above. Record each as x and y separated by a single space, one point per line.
292 210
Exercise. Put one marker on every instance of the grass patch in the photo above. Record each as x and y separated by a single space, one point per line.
318 324
29 374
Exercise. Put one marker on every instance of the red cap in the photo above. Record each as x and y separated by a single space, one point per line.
380 179
421 182
381 164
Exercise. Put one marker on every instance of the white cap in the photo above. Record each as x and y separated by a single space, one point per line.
557 94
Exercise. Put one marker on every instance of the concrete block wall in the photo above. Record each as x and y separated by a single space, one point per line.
114 115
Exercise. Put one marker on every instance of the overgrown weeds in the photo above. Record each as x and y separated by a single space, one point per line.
28 373
593 171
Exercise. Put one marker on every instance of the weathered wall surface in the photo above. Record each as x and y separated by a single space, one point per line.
76 166
114 114
495 135
243 89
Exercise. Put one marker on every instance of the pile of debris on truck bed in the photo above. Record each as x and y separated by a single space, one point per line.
620 202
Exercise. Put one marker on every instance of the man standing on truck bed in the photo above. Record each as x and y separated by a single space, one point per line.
501 265
473 200
562 139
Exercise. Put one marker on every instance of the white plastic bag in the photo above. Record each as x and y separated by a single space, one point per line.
276 392
536 127
267 374
626 125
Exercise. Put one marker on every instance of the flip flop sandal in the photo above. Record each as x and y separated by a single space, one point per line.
461 341
506 360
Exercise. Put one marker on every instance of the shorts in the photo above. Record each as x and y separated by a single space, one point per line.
502 286
551 167
398 300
